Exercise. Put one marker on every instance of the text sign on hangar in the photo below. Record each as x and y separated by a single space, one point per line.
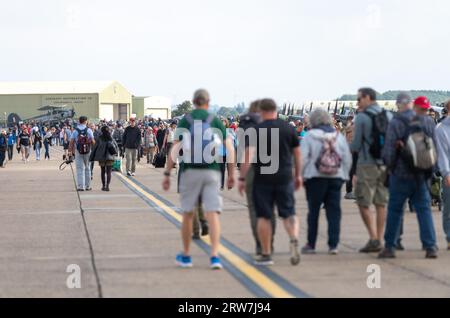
67 100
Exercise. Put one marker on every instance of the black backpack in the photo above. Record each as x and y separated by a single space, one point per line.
380 123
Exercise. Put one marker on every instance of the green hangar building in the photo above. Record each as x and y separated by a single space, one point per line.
157 107
97 100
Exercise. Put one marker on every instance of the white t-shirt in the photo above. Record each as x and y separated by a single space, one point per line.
171 135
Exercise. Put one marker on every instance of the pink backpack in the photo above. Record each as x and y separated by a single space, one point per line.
329 161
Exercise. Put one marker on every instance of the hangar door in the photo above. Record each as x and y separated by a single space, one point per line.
106 112
157 113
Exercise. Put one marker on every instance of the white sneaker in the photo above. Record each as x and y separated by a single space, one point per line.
133 174
333 251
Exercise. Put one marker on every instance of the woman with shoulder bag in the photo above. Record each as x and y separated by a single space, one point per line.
105 152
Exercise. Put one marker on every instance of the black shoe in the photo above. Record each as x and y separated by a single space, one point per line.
80 190
387 253
258 250
400 247
107 189
373 246
264 260
431 253
196 237
205 228
103 188
88 189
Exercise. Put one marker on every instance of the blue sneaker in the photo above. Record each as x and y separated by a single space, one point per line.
216 264
184 261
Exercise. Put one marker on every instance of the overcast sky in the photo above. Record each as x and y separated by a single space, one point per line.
292 50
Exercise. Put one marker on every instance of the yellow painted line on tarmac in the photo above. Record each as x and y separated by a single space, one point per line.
261 280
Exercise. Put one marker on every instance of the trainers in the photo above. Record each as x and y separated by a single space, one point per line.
373 246
350 196
431 253
264 260
133 174
216 264
184 261
295 254
333 251
308 250
205 228
387 253
196 237
258 251
80 190
129 173
400 247
88 189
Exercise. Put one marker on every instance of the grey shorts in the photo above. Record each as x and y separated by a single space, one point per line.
204 184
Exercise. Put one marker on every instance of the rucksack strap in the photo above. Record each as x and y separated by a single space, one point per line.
210 119
189 119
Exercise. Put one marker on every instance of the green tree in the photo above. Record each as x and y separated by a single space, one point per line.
227 112
182 109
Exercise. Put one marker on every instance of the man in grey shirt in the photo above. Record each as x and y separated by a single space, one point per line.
371 172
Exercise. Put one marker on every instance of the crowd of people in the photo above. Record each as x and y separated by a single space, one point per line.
384 159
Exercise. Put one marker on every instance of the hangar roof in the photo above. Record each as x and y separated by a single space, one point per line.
40 88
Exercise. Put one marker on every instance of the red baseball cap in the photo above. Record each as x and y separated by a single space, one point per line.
422 102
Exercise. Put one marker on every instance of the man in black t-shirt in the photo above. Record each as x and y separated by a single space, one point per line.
247 123
275 154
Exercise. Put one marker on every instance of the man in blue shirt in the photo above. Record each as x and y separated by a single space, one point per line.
81 142
406 183
11 142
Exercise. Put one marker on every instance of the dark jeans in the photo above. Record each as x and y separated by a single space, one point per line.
324 191
223 168
47 153
401 190
10 152
2 156
349 185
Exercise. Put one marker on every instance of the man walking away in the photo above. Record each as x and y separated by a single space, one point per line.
250 121
273 182
200 176
411 155
131 142
80 145
368 141
443 146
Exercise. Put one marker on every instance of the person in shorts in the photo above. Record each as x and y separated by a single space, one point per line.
371 172
25 143
199 178
274 183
